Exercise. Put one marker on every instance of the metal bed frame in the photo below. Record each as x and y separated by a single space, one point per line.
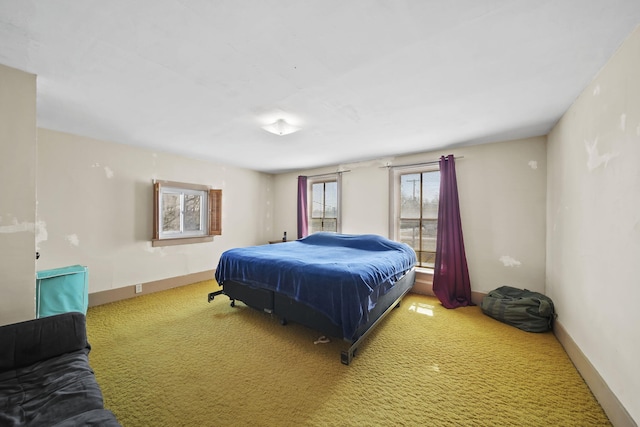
288 309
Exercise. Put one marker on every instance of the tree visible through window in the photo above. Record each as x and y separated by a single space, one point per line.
418 214
182 212
185 213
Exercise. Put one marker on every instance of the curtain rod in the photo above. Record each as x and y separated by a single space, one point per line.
326 174
430 162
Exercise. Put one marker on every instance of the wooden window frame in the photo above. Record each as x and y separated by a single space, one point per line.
214 214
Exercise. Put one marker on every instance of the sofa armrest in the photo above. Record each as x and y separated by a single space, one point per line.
31 341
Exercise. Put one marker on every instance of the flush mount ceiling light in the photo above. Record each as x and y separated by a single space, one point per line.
280 127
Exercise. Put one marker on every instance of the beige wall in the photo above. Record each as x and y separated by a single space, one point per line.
502 190
593 215
95 200
18 190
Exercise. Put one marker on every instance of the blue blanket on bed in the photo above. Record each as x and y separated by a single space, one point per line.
339 275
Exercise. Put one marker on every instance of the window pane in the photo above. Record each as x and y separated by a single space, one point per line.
182 211
329 224
171 212
192 217
430 194
410 232
331 199
317 206
315 225
429 233
427 259
410 195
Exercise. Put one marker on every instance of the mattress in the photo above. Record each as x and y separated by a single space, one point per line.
340 275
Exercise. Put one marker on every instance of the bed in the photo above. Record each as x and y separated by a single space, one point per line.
341 285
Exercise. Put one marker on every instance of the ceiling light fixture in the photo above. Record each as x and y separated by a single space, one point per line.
280 127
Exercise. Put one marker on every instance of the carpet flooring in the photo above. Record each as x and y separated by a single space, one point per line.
172 359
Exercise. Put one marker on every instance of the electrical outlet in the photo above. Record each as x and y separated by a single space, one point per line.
138 288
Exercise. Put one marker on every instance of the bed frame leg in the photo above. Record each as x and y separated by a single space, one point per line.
212 295
347 356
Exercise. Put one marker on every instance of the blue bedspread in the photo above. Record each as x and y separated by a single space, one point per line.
339 275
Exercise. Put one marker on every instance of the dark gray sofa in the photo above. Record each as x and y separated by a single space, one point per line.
45 377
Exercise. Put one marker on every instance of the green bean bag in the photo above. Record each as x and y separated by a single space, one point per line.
526 310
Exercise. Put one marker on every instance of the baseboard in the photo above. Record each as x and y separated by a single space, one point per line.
112 295
424 286
616 412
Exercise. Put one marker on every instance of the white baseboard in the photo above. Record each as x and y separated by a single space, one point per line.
616 412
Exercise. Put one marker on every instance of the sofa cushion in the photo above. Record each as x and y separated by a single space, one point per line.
28 342
50 391
94 417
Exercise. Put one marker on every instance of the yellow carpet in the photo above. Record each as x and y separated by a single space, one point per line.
172 359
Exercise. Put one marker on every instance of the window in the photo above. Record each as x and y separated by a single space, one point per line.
185 213
324 212
415 217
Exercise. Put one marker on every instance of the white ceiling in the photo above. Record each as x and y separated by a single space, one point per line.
363 79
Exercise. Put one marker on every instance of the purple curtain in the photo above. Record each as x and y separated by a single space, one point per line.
451 276
303 226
